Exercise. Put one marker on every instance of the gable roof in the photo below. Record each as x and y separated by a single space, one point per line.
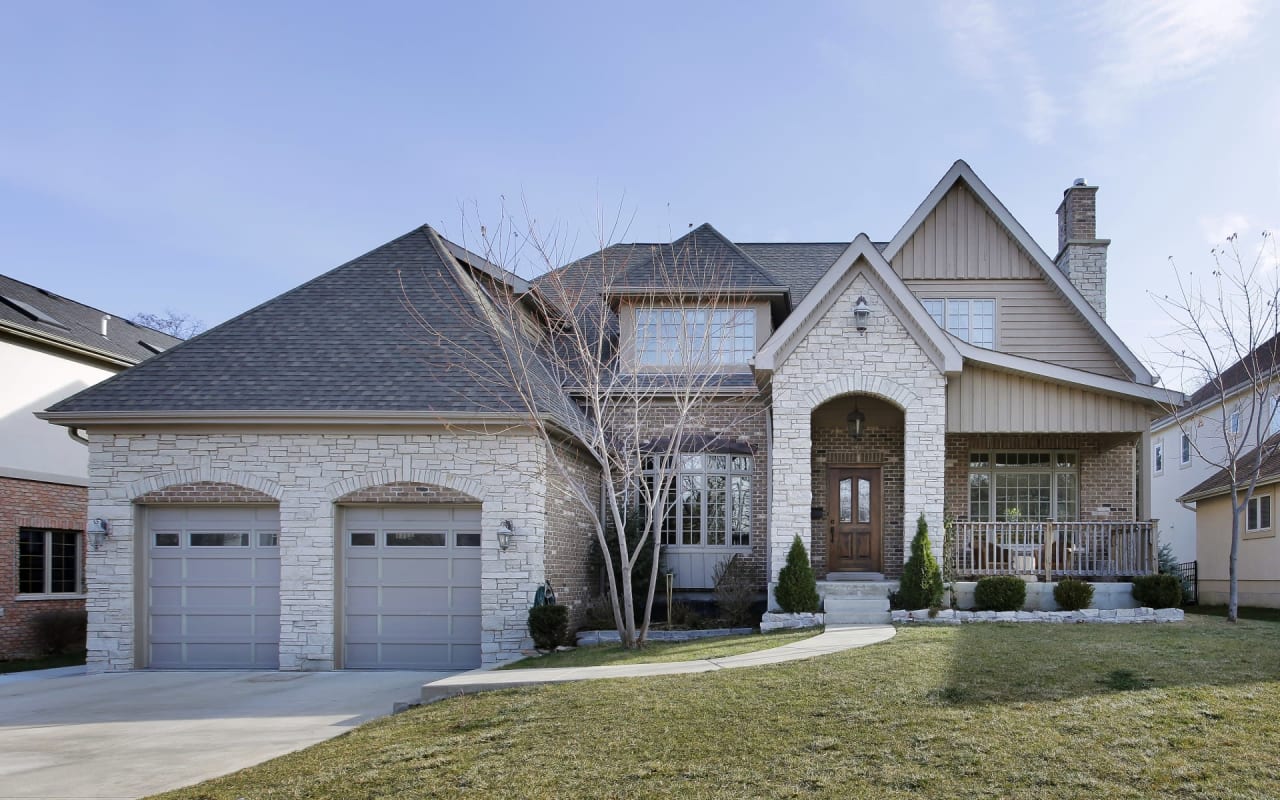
960 171
1219 483
911 313
701 259
346 340
40 315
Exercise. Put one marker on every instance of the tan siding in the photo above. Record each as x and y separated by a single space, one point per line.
961 239
1033 320
987 401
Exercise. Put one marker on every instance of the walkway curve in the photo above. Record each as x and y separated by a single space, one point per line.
834 639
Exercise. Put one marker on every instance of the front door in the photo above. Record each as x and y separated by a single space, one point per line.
853 495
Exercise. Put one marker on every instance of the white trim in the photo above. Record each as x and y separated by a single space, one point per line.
1055 372
1258 498
825 293
43 477
962 171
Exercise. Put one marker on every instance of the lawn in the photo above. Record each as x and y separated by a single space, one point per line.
44 662
1190 710
653 652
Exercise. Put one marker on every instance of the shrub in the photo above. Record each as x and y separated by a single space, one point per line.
1158 591
1000 593
549 626
640 572
1167 560
921 585
684 615
735 591
797 590
598 615
59 632
1072 595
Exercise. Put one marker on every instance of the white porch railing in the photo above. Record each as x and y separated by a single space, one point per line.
1048 549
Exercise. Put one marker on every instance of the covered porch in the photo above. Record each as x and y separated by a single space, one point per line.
1051 550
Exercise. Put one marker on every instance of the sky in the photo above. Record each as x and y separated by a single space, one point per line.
204 157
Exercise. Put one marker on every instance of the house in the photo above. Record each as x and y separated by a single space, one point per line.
319 483
1187 447
1258 561
50 348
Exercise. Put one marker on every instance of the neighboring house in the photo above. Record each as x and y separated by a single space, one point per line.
1188 447
316 485
50 348
1258 561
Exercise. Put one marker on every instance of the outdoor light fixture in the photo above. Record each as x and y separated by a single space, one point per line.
98 529
505 532
861 313
856 421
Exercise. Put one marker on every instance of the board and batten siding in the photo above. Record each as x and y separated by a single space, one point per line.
988 401
961 239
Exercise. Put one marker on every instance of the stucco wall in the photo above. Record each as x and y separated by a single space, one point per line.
1258 563
306 473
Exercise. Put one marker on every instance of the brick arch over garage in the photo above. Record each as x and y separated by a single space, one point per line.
396 485
210 485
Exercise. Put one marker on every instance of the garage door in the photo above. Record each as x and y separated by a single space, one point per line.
213 588
412 596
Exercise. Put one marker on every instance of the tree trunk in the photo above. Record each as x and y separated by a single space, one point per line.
1233 597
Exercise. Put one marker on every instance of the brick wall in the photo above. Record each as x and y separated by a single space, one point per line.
878 446
406 492
31 504
571 528
204 492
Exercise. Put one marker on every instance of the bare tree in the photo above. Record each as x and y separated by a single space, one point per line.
630 401
1227 342
174 323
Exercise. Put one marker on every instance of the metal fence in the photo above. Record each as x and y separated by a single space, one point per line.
1189 574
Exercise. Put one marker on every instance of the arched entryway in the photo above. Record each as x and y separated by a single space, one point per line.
857 477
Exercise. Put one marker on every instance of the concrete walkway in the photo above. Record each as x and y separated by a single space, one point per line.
833 640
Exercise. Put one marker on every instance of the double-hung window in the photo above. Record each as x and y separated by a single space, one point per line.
1184 454
667 337
48 561
1158 457
708 502
974 321
1259 513
1031 486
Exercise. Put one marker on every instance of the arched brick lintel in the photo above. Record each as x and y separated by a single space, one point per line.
340 491
156 484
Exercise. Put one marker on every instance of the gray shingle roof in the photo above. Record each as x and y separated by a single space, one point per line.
48 315
1220 481
797 265
343 341
701 259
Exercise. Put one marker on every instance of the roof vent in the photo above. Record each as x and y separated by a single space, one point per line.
1078 182
31 312
105 319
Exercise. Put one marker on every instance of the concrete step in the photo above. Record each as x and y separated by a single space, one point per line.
856 588
852 610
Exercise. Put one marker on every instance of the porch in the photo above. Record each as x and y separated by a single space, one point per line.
1050 550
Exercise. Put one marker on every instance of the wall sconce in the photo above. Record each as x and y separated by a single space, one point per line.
505 532
861 314
98 529
856 422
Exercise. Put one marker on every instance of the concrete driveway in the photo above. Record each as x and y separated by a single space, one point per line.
137 733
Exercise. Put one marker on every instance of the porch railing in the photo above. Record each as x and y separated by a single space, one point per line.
1055 549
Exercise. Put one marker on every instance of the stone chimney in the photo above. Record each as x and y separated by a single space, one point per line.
1082 256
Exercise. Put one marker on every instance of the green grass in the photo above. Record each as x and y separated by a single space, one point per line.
44 662
1244 612
654 652
976 711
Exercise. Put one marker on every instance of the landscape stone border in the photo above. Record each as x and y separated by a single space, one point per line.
1088 615
589 638
772 621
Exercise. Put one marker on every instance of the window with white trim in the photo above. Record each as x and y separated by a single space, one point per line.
1185 453
1258 517
49 561
1274 423
709 501
680 336
1157 457
974 321
1017 485
1234 423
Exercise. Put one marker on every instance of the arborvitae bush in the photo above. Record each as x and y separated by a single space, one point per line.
549 626
1000 593
797 590
1072 595
1158 591
921 585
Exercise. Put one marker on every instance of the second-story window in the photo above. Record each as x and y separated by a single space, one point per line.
692 336
1185 454
971 320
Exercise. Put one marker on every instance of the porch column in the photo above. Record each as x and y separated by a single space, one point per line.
790 489
924 462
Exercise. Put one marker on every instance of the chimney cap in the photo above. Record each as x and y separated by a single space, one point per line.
1078 182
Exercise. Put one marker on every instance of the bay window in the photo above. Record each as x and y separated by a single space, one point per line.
683 336
709 500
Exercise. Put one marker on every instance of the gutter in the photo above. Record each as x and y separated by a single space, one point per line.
67 344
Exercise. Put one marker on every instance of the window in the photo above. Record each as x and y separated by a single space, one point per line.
678 336
1273 426
1032 486
1185 454
1234 423
710 501
48 562
1259 514
1157 458
974 321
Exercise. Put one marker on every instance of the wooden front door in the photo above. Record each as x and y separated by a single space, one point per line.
853 497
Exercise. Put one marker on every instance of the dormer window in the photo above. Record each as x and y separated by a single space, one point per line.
671 337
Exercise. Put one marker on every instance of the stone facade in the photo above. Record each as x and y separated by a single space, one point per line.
32 504
1082 256
878 446
306 474
833 360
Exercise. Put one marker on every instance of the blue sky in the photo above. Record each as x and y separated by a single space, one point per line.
206 156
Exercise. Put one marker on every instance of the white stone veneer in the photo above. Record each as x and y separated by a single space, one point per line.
306 472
